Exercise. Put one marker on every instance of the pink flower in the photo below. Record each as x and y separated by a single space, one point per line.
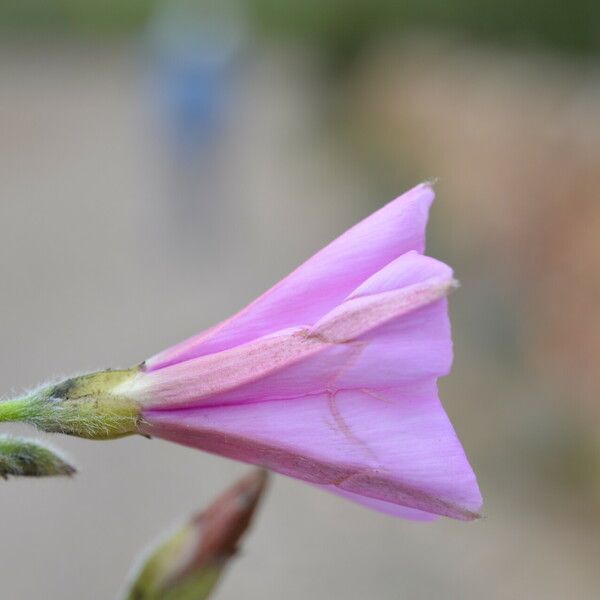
329 377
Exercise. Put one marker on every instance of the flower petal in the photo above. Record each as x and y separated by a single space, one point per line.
388 508
322 282
396 446
407 269
283 364
372 340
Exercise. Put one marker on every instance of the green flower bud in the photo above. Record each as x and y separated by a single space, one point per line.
21 457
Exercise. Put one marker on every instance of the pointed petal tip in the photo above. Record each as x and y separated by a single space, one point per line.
470 515
458 511
422 193
473 510
453 285
425 190
444 287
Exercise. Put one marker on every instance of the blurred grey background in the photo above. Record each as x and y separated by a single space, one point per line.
161 164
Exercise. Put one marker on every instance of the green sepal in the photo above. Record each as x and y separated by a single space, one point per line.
87 406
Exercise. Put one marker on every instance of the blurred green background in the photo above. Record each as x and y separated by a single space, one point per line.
343 27
162 163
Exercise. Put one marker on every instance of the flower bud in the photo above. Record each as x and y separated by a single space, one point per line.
21 457
189 563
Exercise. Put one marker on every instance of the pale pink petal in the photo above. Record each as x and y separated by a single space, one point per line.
357 317
285 365
395 510
406 270
412 347
322 282
394 446
370 341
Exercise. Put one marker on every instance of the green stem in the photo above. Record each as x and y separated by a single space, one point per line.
18 409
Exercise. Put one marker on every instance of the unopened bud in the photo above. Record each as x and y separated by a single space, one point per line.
190 562
21 457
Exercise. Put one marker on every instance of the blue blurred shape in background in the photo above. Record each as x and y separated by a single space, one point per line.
195 51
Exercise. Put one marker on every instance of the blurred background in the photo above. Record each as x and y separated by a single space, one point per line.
164 162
